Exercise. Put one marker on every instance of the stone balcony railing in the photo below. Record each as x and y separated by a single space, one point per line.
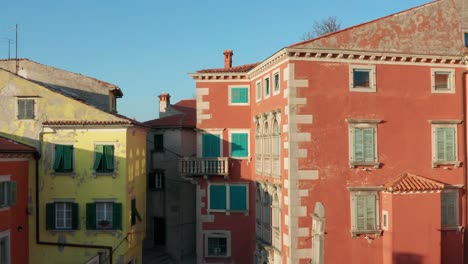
194 167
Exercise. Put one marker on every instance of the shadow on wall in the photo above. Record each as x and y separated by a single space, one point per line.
407 258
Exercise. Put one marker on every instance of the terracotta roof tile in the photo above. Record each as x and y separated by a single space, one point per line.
186 118
86 122
8 145
408 182
241 68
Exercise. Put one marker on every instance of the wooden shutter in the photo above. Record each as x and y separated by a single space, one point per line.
109 157
50 216
98 157
67 158
218 197
13 190
449 209
369 145
211 146
370 213
29 103
117 216
238 198
75 219
358 144
91 216
450 144
58 157
360 211
239 145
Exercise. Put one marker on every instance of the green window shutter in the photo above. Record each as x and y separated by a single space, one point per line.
91 216
68 158
109 157
13 191
117 216
370 213
449 209
50 216
30 108
75 219
360 211
211 146
358 144
369 144
20 109
440 138
218 197
98 157
238 198
239 144
450 144
58 157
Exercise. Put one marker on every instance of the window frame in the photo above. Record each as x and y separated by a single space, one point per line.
450 82
439 124
104 172
9 191
158 147
364 191
34 108
266 86
239 131
231 87
116 214
448 226
258 90
218 234
51 215
7 236
216 132
372 78
362 124
228 210
153 180
276 88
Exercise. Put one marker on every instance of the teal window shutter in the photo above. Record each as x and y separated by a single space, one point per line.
13 191
58 157
91 216
98 157
109 157
50 216
75 219
238 198
218 197
117 216
239 95
239 145
211 145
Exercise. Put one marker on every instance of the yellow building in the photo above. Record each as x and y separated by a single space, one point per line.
89 190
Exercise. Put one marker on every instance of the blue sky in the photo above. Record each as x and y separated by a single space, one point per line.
149 46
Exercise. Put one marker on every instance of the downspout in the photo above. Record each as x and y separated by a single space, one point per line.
38 239
465 158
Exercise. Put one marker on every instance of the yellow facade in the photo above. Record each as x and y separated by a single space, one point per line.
82 185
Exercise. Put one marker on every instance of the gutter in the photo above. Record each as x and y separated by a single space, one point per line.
38 239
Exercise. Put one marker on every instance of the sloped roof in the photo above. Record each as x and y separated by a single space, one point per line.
10 146
186 118
432 28
408 182
241 68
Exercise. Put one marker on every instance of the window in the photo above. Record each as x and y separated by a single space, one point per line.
218 244
238 95
258 91
267 206
363 142
62 216
362 78
267 87
258 211
26 108
276 83
104 216
364 212
159 142
444 143
239 145
104 158
134 214
443 80
7 193
211 145
275 152
63 158
449 202
385 220
156 180
230 198
266 149
258 149
5 256
466 39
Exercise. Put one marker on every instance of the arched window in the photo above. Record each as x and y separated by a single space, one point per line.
276 221
266 150
276 142
258 211
258 149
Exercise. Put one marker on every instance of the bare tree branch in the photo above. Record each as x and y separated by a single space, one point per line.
327 25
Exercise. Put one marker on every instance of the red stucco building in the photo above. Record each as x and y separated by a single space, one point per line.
347 148
16 163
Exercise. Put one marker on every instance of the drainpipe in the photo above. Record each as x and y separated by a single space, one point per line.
38 239
465 158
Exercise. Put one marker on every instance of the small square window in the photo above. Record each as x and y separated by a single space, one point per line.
238 95
362 78
229 198
443 81
26 108
218 244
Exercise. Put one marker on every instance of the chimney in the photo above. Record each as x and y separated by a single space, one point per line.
228 58
164 102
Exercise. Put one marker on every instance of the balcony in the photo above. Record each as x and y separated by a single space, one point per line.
193 167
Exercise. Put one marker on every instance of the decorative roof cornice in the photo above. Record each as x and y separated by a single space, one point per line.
219 76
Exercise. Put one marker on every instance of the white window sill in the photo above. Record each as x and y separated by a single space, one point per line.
354 164
436 164
452 228
112 174
5 208
227 212
356 233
